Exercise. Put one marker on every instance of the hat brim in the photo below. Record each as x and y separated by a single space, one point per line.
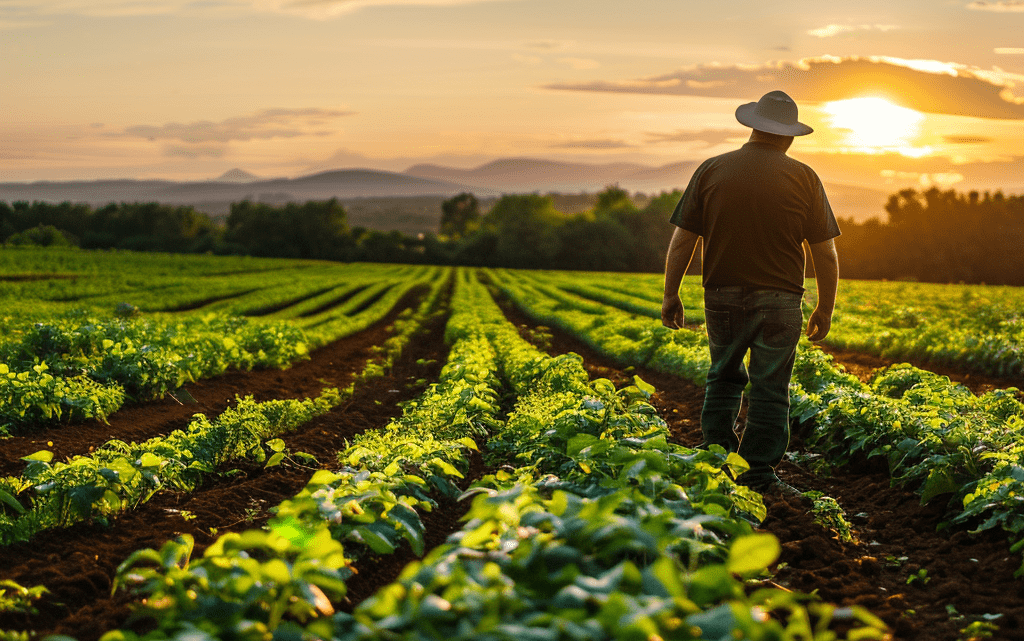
747 115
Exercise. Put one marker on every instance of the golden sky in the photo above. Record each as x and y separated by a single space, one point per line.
914 93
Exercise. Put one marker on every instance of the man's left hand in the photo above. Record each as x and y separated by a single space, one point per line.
673 315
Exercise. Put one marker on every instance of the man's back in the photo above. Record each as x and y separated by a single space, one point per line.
754 207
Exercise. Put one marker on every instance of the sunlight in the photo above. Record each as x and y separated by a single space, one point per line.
875 125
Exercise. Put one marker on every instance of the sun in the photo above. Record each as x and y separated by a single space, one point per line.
875 125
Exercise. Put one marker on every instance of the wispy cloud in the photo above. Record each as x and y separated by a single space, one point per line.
22 10
966 140
600 143
1009 51
264 125
831 30
550 45
929 86
709 137
580 63
195 151
1001 6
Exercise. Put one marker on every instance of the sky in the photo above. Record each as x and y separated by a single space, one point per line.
916 93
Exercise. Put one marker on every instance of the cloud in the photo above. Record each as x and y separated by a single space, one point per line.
966 140
1009 51
550 45
580 63
528 60
600 143
710 137
323 9
1001 6
929 86
264 125
835 29
195 151
315 9
15 24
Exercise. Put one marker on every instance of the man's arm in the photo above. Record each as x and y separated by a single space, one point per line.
680 253
826 274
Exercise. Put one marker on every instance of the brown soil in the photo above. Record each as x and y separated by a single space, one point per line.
896 536
77 565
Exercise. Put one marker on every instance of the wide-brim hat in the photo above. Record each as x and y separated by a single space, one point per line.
775 113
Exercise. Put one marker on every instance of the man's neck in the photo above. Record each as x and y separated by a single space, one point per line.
781 143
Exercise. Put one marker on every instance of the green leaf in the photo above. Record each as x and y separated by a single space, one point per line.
412 526
275 460
276 444
938 482
373 540
149 459
715 624
753 553
43 456
13 502
643 385
84 496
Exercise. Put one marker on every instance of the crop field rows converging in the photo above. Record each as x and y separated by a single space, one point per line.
305 470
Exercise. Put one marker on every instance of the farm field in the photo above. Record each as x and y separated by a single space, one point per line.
345 409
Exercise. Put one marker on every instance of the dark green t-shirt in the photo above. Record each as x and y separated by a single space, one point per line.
754 207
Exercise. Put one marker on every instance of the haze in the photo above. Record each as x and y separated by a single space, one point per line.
908 94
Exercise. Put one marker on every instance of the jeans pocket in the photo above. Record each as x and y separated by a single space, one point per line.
717 324
782 327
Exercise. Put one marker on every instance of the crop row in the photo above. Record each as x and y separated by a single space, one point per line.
79 366
120 476
939 439
603 531
972 327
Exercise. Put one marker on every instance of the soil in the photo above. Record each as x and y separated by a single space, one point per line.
968 576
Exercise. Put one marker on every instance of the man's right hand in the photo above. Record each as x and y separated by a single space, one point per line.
819 324
673 315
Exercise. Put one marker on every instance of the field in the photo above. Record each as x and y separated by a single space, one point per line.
236 448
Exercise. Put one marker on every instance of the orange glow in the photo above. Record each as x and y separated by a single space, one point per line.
875 125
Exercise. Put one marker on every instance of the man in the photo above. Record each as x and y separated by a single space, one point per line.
754 207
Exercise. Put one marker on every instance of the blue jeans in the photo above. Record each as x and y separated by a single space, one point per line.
768 324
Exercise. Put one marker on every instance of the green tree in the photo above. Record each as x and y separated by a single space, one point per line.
459 215
41 236
526 226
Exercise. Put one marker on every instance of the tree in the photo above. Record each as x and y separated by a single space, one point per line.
526 227
459 215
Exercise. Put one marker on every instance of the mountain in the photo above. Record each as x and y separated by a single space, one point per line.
517 175
506 175
345 183
237 176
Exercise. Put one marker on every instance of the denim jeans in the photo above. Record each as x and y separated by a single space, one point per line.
768 324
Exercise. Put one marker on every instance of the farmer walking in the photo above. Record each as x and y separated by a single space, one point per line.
754 207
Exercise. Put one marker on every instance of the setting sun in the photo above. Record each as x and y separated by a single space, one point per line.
876 125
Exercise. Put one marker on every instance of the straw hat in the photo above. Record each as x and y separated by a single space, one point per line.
774 113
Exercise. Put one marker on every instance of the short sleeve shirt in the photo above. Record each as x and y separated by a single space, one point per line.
754 207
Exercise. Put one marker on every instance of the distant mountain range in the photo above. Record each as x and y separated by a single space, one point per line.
507 175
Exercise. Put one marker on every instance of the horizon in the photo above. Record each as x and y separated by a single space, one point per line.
915 95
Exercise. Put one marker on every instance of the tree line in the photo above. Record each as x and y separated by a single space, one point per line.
933 236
